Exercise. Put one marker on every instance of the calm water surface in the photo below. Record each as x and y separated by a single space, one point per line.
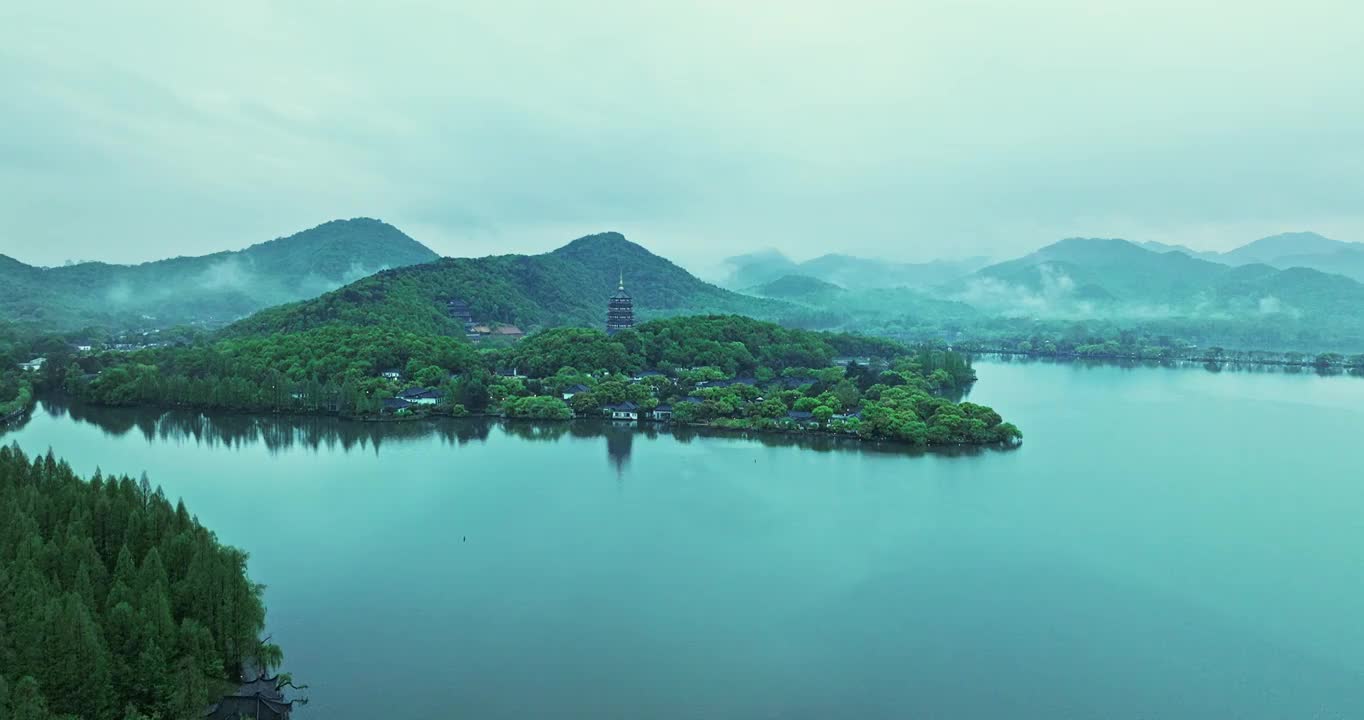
1166 544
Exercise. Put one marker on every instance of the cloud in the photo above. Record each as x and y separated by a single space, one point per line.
1271 305
902 130
1053 297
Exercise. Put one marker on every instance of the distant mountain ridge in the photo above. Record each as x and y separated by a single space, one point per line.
847 271
1110 277
801 288
209 288
568 286
1286 250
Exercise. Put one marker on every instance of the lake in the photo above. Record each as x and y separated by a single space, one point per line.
1167 543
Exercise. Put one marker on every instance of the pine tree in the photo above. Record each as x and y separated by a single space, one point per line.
76 676
84 587
27 701
190 694
151 688
91 631
122 630
28 596
121 589
153 601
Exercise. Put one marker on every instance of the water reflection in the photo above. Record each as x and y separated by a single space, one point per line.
279 433
619 439
274 432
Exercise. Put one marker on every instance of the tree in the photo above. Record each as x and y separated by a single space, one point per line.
430 376
806 404
823 413
77 673
153 646
27 701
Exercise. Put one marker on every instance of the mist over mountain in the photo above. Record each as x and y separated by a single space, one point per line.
1089 277
568 286
799 288
365 272
206 289
754 269
1286 250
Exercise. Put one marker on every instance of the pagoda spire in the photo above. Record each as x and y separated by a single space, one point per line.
620 311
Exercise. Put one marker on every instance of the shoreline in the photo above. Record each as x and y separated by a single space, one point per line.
641 425
1187 361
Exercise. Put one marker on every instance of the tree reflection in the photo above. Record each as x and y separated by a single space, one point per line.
278 433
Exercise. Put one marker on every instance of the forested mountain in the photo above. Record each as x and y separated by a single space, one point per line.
799 288
1082 275
1275 249
211 288
1128 287
114 603
1287 250
568 286
853 273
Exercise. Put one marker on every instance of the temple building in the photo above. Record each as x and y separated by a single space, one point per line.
620 310
259 699
460 310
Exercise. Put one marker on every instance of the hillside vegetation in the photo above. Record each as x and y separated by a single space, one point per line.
213 288
569 286
115 603
729 371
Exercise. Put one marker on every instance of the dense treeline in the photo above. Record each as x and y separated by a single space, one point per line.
732 343
723 370
1159 341
116 604
331 369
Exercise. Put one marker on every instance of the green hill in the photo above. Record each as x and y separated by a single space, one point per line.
847 271
799 288
1287 250
1274 249
1115 278
212 288
568 286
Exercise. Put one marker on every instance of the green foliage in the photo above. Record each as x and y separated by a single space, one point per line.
216 287
16 393
330 369
537 407
546 353
89 631
567 287
746 373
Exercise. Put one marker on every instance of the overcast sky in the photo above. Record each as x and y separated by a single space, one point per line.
906 129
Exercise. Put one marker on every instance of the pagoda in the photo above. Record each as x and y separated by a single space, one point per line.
620 310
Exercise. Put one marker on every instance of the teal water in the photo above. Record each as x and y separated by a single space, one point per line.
1168 543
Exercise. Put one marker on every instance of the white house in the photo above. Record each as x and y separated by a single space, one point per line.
421 396
33 365
624 411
